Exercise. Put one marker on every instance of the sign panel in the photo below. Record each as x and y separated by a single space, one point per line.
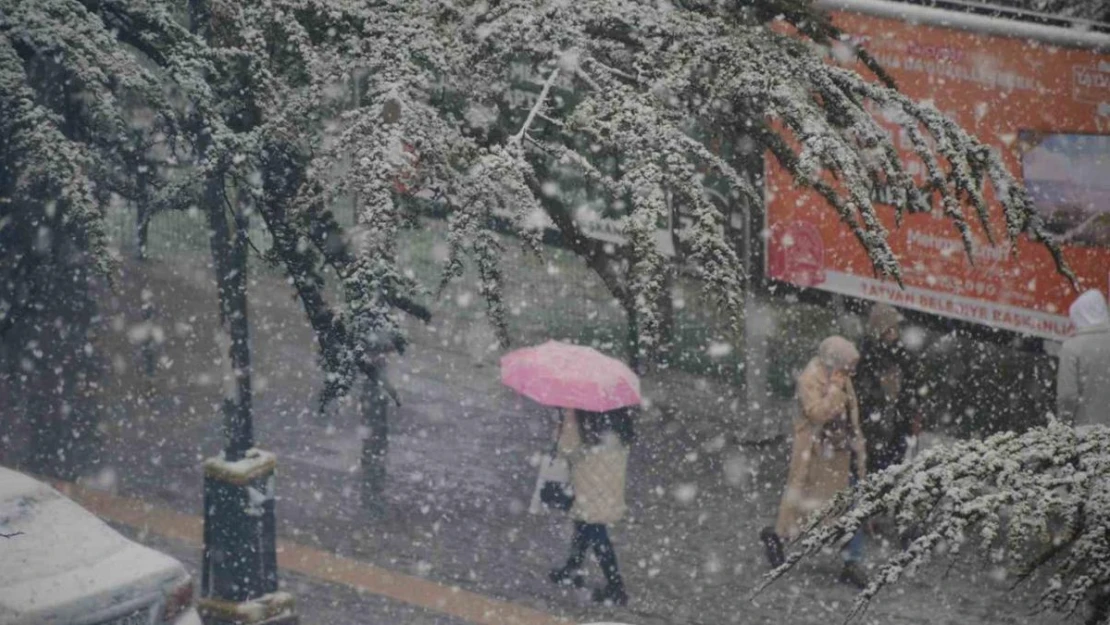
1045 108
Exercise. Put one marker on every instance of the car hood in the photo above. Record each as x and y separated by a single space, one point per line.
134 576
63 564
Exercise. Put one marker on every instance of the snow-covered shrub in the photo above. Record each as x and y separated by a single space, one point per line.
1038 502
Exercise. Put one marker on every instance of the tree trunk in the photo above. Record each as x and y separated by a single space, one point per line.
598 258
229 253
665 349
1100 610
146 305
142 228
635 359
374 409
146 297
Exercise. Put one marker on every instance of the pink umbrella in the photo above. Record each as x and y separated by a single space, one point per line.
570 376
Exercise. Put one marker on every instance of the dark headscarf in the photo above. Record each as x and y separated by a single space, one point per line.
592 425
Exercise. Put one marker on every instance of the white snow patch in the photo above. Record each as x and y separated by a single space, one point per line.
914 338
253 460
739 470
718 349
686 493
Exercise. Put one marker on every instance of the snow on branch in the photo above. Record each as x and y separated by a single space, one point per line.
455 98
541 101
640 75
45 163
1035 502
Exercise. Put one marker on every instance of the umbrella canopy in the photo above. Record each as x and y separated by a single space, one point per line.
570 376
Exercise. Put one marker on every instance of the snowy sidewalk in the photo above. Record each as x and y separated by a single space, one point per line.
316 564
460 475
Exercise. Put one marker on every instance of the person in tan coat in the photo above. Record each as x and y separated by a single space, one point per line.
827 436
596 447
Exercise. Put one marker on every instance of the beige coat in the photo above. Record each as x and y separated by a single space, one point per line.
826 431
597 473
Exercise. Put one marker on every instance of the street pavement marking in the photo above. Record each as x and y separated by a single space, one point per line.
321 565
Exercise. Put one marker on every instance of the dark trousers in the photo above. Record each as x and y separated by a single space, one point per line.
887 453
587 535
852 553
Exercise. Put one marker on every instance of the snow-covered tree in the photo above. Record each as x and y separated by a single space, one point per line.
1037 504
254 105
102 99
78 116
624 80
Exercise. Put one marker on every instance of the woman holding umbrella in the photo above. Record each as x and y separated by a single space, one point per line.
595 393
596 446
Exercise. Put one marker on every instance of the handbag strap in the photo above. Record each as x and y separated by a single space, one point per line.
558 435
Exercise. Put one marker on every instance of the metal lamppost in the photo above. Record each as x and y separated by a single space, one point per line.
239 580
239 584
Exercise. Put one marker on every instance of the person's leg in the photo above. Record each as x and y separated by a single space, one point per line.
898 448
571 572
880 457
852 554
853 572
773 547
853 551
607 558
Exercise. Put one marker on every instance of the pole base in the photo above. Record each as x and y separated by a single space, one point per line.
273 609
239 582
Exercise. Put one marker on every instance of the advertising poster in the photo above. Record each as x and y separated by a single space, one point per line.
1045 108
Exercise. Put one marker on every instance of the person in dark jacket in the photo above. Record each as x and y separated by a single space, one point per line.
885 389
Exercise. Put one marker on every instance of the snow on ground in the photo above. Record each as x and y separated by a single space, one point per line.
460 477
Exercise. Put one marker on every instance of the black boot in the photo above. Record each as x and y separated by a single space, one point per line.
773 545
906 538
612 594
853 575
566 577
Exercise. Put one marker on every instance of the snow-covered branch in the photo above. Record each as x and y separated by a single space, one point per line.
541 102
440 106
1040 499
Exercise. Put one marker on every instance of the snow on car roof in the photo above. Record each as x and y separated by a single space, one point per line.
14 483
48 532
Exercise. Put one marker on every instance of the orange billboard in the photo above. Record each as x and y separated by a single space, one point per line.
1044 106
